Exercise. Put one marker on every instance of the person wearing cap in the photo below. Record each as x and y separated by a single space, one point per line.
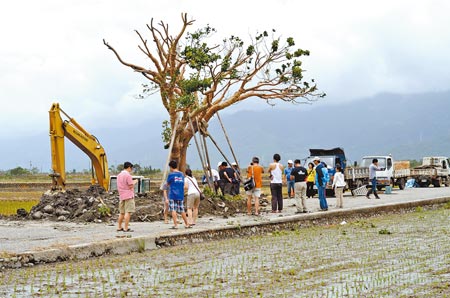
125 187
290 183
237 182
321 183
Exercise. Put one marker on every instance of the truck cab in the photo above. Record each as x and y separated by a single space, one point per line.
434 170
386 163
439 162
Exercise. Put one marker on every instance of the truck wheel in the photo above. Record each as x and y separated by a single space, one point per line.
422 184
401 184
436 183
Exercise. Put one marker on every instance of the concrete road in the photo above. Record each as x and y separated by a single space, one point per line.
22 237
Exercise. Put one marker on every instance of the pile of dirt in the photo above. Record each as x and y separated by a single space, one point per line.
97 205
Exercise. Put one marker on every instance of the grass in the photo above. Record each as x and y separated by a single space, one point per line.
9 207
10 201
352 260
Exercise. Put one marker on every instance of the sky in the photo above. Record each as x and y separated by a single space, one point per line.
52 51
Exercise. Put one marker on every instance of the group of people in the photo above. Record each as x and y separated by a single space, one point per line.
173 195
226 179
299 180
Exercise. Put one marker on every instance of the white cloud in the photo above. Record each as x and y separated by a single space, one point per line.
53 51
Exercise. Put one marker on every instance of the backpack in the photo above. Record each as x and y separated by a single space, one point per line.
326 176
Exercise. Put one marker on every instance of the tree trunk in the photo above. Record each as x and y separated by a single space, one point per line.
180 146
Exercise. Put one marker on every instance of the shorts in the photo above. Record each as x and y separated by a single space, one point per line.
177 206
127 206
255 192
193 200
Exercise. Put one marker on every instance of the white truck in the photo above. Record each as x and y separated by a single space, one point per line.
392 173
434 170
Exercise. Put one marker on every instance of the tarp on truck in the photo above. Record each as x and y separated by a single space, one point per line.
327 152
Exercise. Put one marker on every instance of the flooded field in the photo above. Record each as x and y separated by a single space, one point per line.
401 255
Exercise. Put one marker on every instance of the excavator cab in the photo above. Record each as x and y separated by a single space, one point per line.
142 186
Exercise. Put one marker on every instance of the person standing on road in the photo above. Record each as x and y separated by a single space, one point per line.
338 186
373 168
310 180
193 197
127 206
298 176
321 183
290 183
276 183
175 180
254 170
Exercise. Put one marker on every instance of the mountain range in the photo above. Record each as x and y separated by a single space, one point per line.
406 126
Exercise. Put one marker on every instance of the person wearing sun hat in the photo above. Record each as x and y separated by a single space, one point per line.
287 177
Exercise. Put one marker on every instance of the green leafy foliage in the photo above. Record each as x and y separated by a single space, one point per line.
166 131
104 210
194 83
18 171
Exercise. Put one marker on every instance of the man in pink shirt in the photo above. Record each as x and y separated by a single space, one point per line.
125 186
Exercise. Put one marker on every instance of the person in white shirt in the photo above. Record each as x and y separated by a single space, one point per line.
193 197
338 186
276 183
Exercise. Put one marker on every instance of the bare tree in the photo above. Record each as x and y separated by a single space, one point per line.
196 80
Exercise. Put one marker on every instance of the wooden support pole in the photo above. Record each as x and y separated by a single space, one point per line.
227 138
172 140
200 154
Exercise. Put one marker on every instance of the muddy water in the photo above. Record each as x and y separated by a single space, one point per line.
405 255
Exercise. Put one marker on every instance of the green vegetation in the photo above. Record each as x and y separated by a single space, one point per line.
104 210
9 207
351 260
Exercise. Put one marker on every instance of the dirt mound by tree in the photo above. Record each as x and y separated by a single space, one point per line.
97 205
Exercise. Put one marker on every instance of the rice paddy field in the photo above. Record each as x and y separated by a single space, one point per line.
399 255
11 201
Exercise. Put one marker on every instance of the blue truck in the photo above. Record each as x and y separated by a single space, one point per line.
331 157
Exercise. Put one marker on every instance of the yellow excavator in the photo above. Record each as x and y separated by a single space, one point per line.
89 144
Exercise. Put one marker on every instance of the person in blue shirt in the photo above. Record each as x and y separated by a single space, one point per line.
175 181
289 183
321 174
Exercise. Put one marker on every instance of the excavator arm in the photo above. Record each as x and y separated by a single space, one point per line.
59 129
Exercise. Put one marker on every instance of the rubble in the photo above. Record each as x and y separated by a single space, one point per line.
97 205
